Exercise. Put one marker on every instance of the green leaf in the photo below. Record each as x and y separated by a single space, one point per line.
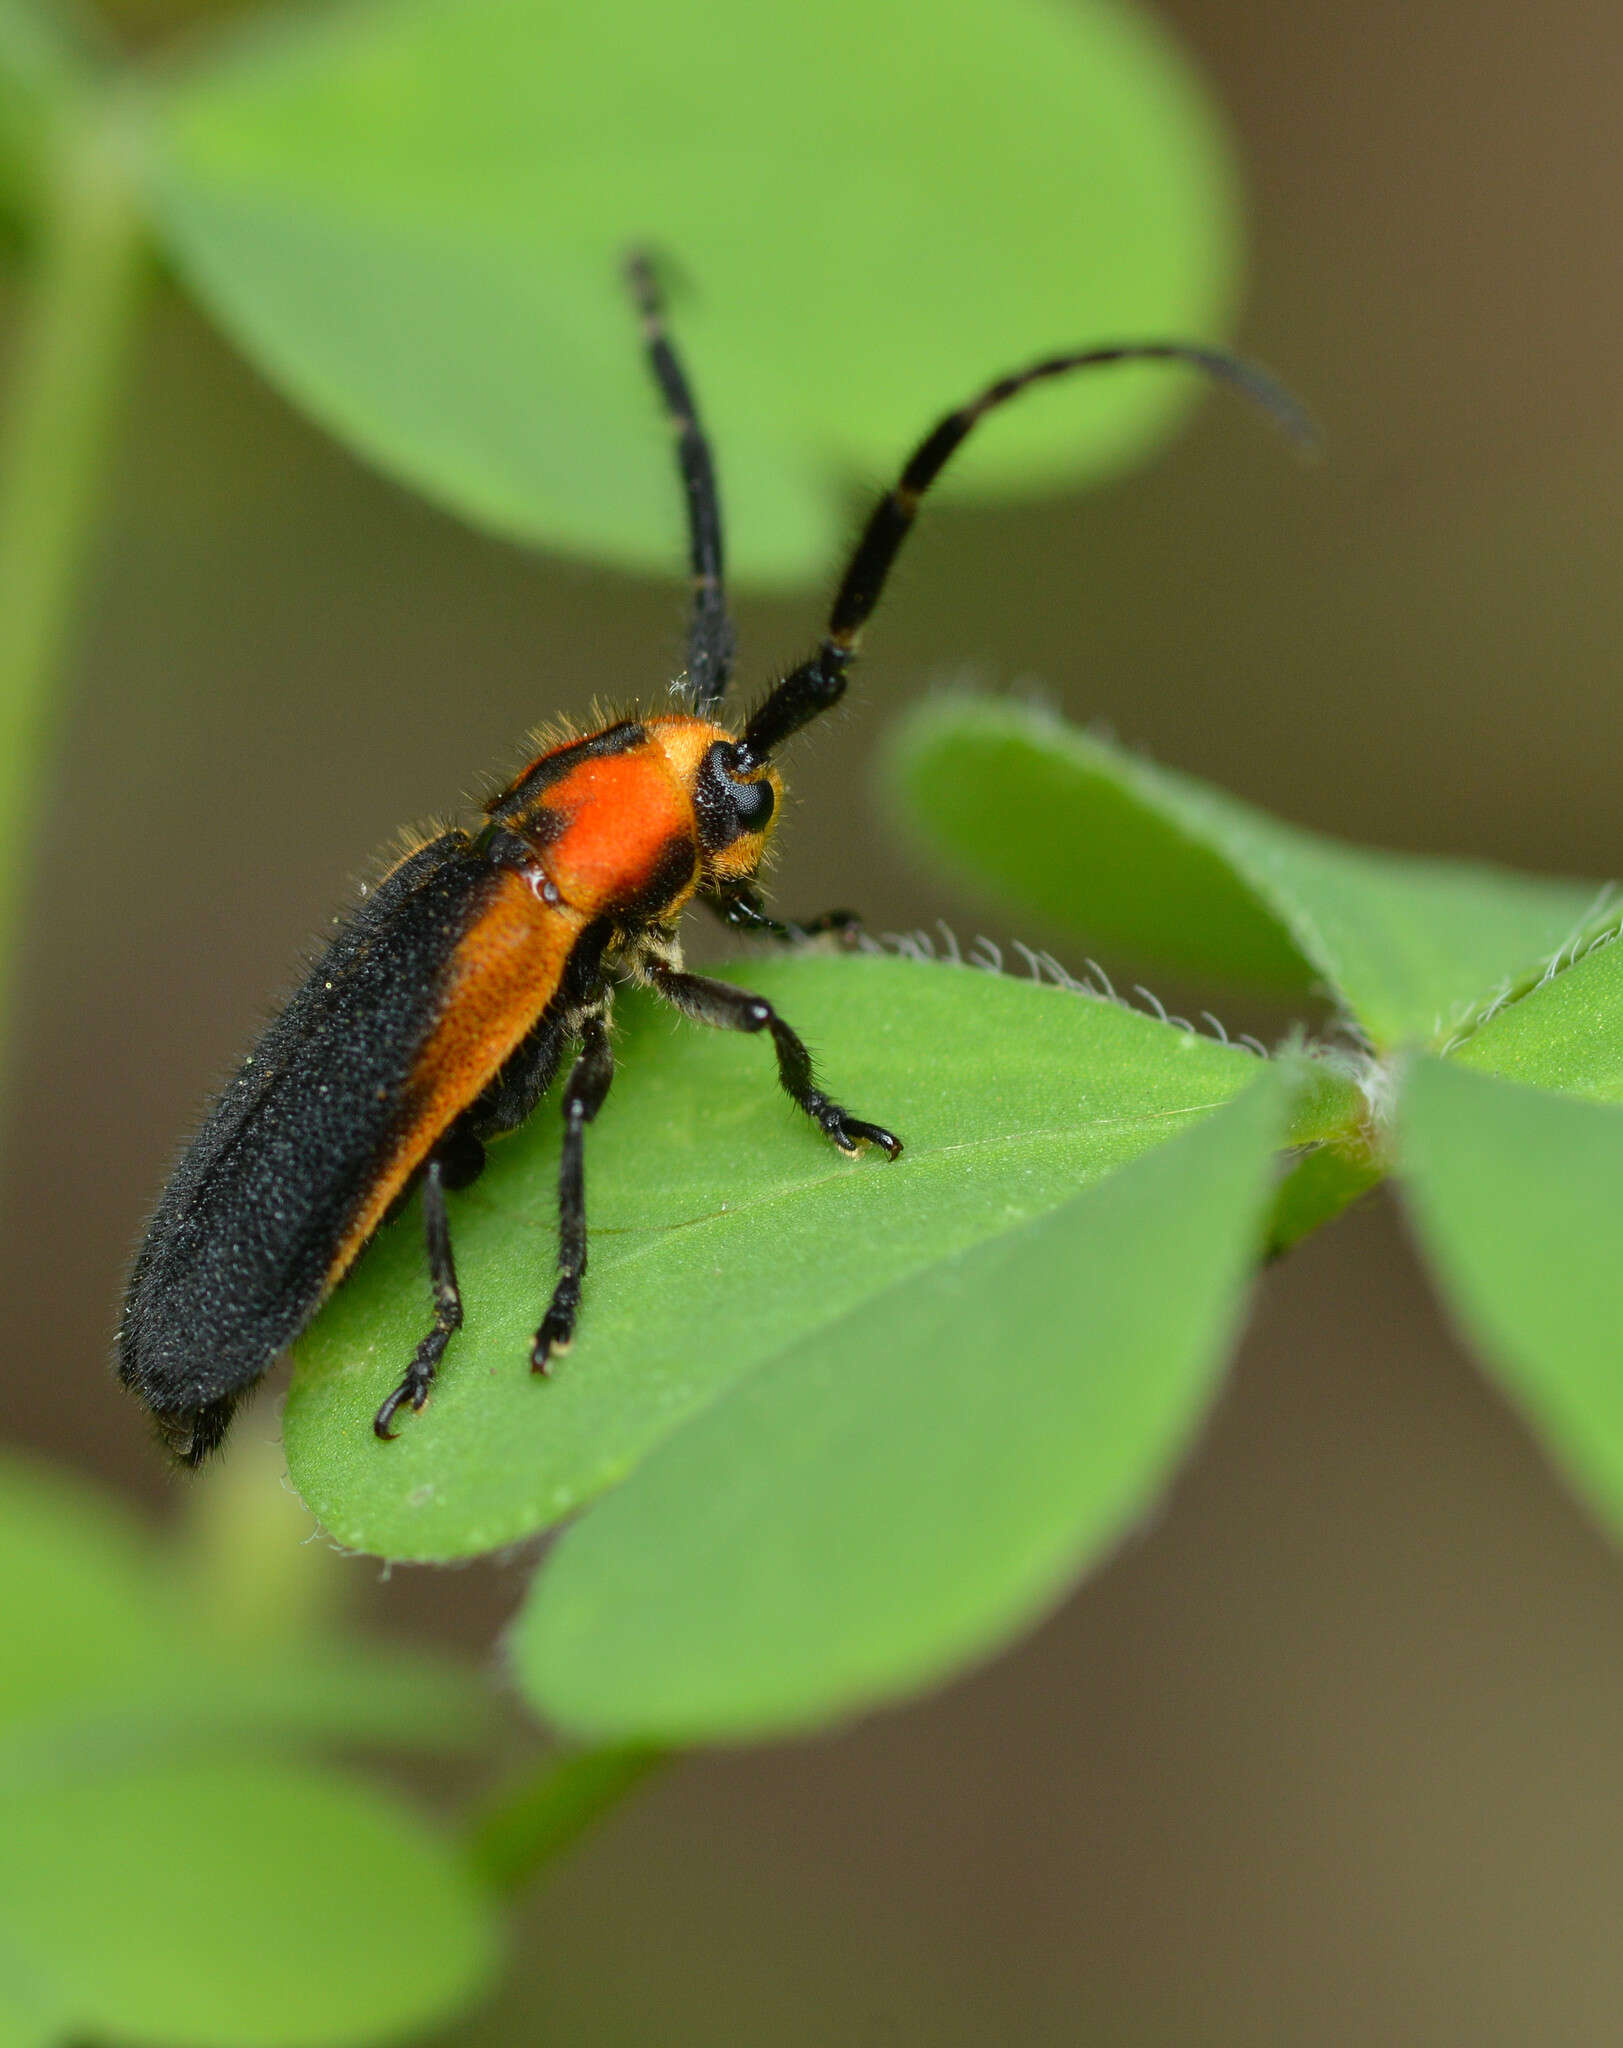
1565 1033
347 1689
1179 876
33 2013
260 1905
83 1612
124 1867
412 217
102 1657
903 1492
725 1230
350 1694
1515 1194
1323 1182
51 57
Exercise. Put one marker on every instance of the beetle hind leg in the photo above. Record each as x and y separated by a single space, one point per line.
584 1093
455 1164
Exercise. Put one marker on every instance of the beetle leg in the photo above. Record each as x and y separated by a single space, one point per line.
584 1093
419 1375
512 1097
742 908
733 1009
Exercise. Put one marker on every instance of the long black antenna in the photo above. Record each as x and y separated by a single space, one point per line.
710 630
820 682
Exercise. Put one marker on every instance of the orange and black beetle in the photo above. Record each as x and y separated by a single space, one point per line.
439 1015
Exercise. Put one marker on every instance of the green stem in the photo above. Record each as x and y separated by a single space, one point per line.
531 1825
77 314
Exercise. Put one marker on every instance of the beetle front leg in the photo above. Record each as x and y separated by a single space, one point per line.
584 1093
742 908
733 1009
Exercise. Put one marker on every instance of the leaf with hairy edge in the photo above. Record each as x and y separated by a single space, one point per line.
1180 876
725 1230
1565 1033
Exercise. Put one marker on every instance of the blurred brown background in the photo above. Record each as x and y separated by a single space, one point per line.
1331 1754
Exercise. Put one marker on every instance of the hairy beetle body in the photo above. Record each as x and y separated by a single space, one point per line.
440 1012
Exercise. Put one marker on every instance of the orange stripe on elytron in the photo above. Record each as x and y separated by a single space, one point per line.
505 970
623 812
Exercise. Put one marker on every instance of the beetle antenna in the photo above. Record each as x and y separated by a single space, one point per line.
819 683
710 631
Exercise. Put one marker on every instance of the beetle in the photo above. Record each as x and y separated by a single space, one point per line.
440 1012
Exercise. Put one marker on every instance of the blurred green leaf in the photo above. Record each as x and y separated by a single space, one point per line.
350 1694
238 1905
1178 875
1319 1185
1516 1195
247 1559
724 1230
1566 1033
26 2026
412 217
902 1492
83 1611
49 49
50 55
117 1706
351 1690
32 2013
101 1654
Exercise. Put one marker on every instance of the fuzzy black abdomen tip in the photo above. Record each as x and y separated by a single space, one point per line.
191 1435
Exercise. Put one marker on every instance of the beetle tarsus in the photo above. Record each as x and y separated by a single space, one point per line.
557 1331
397 1400
850 1133
854 1134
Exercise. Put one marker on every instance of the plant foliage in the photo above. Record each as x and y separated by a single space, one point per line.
413 218
833 1429
866 1421
178 1868
977 1366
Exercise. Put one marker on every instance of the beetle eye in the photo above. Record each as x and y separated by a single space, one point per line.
752 801
727 809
